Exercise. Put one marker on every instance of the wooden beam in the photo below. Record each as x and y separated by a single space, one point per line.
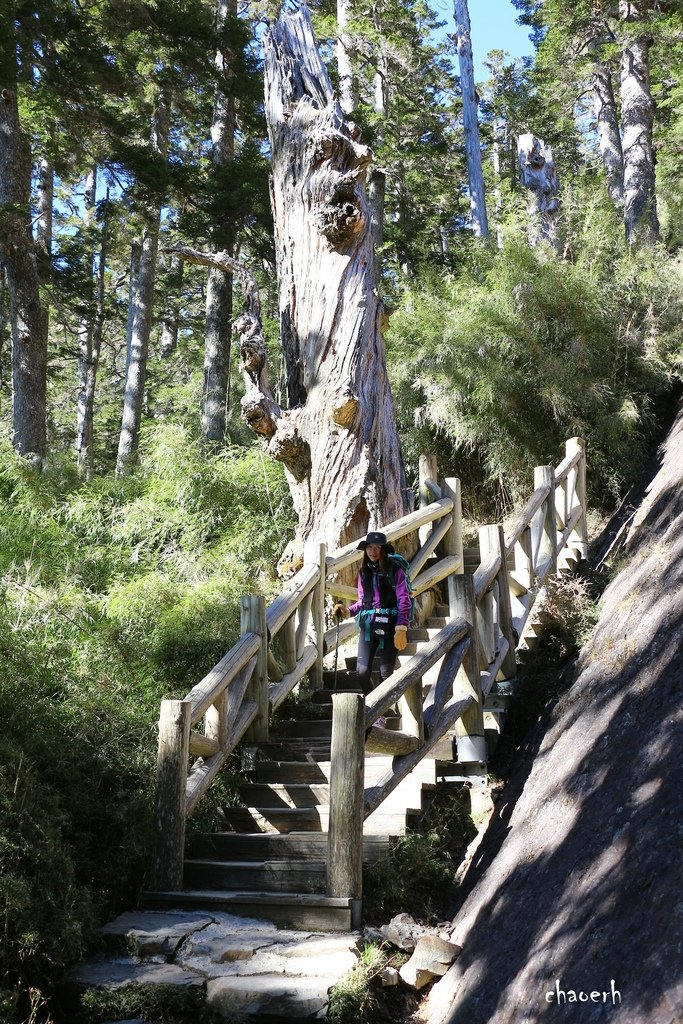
492 544
282 689
525 516
173 752
345 838
205 692
437 534
343 557
253 620
429 577
442 691
287 603
389 741
387 693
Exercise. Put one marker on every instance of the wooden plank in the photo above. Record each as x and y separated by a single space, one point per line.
442 690
203 746
345 840
390 741
236 693
286 638
253 620
429 577
174 738
204 772
452 545
525 516
569 529
346 631
544 523
488 677
485 575
287 603
282 689
343 557
216 721
429 545
403 766
570 460
387 693
207 690
470 727
340 590
275 672
427 471
317 552
302 626
492 542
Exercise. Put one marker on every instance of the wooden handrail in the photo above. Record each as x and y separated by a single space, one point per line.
475 646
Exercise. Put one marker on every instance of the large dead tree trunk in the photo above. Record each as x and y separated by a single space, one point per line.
609 138
18 253
338 439
470 120
538 175
637 116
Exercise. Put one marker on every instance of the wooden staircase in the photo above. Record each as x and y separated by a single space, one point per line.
271 862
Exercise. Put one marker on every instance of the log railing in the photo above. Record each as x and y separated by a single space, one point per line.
440 690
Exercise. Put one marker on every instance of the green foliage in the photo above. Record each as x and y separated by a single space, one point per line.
113 595
417 876
531 349
352 1000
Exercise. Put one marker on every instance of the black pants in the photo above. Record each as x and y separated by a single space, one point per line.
367 649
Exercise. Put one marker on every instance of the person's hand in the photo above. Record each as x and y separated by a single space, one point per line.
339 612
401 638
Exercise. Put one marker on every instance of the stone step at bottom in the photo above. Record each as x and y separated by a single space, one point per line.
287 910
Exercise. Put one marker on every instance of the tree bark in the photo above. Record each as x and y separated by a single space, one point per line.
338 440
609 139
171 316
377 185
85 434
143 299
470 120
85 328
219 291
45 199
348 98
18 251
637 117
538 175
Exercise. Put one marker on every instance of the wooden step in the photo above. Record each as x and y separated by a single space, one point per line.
304 911
285 794
318 727
261 846
290 875
307 819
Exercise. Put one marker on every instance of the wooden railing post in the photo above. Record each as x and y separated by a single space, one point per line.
576 486
427 470
347 763
469 729
492 545
544 528
174 744
452 542
317 553
253 620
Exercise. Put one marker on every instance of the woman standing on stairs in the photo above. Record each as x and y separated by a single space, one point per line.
383 608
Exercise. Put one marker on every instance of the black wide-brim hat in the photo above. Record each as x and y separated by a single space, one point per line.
376 538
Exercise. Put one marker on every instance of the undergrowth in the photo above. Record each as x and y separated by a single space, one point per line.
417 876
113 595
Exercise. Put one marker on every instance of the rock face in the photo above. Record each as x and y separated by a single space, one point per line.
575 907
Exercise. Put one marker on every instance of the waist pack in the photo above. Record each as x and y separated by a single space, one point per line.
378 624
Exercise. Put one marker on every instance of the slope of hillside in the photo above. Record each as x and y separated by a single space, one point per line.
576 911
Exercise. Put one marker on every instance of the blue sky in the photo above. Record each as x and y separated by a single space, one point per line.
493 27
